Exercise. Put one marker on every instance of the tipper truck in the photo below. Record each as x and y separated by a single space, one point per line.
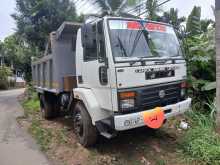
112 74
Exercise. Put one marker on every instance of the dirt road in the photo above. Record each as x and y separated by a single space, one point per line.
16 146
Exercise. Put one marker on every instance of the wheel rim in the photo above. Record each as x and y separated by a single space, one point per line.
78 124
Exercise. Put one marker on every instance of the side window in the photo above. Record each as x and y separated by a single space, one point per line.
90 45
101 42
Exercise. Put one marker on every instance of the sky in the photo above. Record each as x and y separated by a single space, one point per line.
186 6
7 7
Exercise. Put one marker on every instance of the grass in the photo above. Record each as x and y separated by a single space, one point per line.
43 136
62 136
200 143
31 105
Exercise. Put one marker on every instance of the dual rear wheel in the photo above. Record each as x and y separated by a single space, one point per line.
49 106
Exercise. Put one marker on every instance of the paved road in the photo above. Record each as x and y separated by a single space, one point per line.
16 146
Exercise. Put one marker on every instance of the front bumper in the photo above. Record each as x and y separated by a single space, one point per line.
135 120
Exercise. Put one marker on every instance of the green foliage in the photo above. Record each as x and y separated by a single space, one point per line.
152 9
37 18
1 48
203 144
4 73
19 53
193 23
31 102
205 23
31 106
201 65
200 142
42 135
131 2
172 17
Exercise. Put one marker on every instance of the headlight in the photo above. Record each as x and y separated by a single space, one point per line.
127 100
128 103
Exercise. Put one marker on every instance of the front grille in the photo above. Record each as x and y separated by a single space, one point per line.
150 97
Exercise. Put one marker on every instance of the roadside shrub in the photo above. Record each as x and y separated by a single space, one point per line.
200 142
4 73
201 67
31 106
203 144
3 84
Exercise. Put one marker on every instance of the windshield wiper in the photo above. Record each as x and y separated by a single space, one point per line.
149 42
137 38
122 47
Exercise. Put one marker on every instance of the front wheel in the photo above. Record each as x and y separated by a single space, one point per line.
83 127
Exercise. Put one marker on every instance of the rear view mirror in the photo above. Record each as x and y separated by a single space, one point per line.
89 36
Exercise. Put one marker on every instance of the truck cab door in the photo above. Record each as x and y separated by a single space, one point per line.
95 70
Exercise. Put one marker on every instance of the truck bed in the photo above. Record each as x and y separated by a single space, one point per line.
56 70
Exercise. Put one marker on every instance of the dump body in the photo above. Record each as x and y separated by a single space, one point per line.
56 70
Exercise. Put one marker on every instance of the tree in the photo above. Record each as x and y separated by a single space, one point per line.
19 53
217 14
37 18
152 9
201 67
1 47
4 73
172 17
193 23
115 6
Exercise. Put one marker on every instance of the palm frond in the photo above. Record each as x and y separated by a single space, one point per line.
115 6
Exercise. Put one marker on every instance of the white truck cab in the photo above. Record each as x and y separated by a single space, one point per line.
129 73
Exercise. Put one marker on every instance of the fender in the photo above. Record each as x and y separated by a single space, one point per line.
91 104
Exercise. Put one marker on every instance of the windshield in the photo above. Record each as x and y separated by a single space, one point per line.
135 39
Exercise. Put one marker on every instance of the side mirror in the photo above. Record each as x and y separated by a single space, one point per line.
88 36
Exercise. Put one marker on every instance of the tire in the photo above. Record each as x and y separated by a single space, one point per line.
56 106
85 131
49 107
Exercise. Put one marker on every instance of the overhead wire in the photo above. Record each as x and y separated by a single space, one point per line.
156 6
138 7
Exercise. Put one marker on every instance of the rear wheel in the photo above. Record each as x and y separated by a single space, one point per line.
49 106
83 128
